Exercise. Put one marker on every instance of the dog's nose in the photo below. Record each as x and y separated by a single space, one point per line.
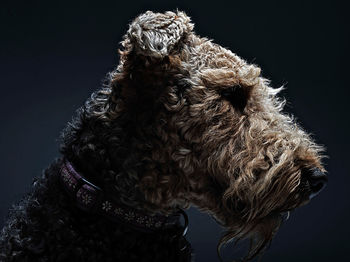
317 181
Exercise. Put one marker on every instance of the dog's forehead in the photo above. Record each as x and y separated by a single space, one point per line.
171 33
211 55
169 36
217 66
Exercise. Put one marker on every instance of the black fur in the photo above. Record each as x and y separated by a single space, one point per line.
46 226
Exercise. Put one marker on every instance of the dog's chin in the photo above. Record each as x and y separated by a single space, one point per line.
231 220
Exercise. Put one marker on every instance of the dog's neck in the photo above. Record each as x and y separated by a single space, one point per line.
111 153
91 198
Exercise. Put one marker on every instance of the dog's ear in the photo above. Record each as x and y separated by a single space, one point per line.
233 85
156 34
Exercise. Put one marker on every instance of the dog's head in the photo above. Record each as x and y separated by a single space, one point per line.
209 130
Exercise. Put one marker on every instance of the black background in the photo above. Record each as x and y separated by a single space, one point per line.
54 54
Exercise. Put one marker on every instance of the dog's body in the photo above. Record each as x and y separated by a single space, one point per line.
181 121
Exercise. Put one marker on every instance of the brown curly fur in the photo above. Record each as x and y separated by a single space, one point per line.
184 121
240 161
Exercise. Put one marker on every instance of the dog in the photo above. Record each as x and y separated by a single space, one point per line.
180 122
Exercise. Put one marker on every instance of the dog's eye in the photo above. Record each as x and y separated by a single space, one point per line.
237 96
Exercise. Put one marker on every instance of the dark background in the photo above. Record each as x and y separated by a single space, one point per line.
55 54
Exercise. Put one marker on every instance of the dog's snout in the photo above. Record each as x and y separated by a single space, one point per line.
317 181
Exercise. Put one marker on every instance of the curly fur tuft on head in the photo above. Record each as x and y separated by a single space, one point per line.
155 34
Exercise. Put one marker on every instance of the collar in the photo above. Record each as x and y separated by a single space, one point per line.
92 199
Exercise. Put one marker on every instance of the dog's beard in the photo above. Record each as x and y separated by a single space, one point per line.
258 232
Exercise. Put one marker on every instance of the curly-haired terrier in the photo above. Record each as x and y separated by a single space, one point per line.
181 121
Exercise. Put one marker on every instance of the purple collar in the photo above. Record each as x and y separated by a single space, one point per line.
90 198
